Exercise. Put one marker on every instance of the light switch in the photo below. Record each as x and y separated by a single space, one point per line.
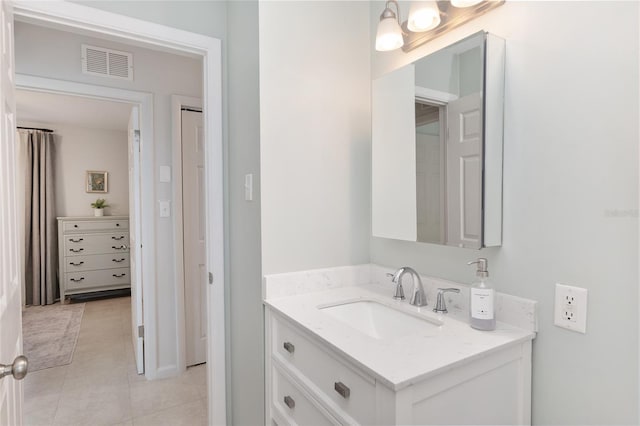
248 187
165 174
165 208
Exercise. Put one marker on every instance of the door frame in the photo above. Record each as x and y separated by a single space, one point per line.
177 103
62 14
144 102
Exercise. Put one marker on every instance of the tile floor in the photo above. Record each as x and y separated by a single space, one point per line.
101 386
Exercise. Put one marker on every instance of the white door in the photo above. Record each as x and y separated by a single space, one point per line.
135 249
194 220
10 280
464 172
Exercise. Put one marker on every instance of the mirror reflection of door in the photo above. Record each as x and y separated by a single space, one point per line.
430 171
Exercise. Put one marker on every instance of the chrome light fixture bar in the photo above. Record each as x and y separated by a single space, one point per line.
426 21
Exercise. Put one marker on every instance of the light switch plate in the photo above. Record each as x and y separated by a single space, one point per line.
165 174
571 308
165 208
248 187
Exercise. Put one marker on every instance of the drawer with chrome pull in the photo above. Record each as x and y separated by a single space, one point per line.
95 225
83 244
352 390
100 278
96 261
294 406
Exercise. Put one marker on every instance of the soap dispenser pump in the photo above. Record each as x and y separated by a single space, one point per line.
482 303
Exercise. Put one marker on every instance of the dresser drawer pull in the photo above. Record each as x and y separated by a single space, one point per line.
117 224
76 250
77 280
342 389
289 347
118 260
76 240
119 275
289 402
122 247
75 226
76 264
118 238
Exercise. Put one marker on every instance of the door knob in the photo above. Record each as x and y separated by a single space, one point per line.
18 369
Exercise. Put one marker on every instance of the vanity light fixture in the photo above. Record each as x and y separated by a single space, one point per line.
389 35
427 20
423 16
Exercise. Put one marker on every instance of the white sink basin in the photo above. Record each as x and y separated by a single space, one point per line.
379 321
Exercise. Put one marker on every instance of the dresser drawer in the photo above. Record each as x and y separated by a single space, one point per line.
96 261
82 244
291 402
101 278
97 225
352 391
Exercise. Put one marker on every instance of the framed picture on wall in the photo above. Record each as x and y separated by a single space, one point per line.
97 181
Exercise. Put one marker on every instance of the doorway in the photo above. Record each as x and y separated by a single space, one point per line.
208 49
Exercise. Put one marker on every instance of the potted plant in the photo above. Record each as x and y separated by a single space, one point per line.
98 206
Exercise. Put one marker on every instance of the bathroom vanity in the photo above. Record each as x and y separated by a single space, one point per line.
340 352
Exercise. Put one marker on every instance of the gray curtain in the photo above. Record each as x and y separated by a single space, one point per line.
41 244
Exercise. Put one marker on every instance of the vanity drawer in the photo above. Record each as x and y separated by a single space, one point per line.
101 278
96 261
291 402
91 225
352 391
78 245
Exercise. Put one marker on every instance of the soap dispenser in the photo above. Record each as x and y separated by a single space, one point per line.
482 303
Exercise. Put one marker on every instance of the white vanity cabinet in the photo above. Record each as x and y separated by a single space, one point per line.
309 381
93 254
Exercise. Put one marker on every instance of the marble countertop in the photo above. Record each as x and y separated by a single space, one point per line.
401 360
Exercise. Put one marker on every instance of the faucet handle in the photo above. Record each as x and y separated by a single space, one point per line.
441 304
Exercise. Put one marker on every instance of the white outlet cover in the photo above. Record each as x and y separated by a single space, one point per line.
571 308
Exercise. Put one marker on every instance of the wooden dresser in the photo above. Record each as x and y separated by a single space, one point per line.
93 254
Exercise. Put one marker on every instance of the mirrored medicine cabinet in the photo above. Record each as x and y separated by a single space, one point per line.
437 134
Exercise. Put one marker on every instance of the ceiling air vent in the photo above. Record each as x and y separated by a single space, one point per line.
106 62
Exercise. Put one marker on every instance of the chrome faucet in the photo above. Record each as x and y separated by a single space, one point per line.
418 297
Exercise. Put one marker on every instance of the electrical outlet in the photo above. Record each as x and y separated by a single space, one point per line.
571 308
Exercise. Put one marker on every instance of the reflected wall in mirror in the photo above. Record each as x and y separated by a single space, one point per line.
437 147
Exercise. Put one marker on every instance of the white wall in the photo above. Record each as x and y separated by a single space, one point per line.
46 52
78 149
570 163
315 134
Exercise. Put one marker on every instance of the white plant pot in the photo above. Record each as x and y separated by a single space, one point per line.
98 212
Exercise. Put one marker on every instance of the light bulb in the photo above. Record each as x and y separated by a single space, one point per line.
464 3
423 16
389 35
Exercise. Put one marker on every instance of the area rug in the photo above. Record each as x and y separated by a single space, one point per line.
50 334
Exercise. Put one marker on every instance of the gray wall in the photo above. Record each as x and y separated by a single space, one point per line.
570 163
235 23
247 349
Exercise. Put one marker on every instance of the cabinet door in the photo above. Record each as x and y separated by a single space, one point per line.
393 152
